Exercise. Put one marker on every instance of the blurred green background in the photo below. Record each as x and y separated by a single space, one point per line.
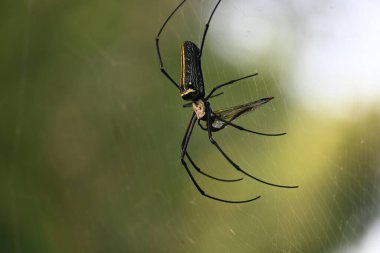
91 130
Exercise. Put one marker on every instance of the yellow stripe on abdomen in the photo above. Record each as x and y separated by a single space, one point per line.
182 65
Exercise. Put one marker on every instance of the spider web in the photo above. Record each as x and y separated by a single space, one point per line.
91 129
300 50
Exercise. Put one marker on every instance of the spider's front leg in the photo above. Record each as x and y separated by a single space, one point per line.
185 143
237 167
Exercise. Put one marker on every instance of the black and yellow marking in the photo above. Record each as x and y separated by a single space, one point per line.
191 84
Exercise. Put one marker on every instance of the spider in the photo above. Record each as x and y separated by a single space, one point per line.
191 88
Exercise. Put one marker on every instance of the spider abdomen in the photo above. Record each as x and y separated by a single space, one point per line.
191 84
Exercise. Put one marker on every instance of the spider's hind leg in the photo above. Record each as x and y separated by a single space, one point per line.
206 28
227 83
162 68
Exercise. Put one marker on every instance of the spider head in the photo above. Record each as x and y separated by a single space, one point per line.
199 108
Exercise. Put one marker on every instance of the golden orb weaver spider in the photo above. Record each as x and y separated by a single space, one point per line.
191 88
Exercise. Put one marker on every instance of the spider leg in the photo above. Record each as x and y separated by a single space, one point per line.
162 68
244 129
227 83
209 124
208 175
206 28
184 145
204 173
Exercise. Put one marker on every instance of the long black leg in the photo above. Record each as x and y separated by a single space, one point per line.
209 127
208 175
162 68
227 83
186 138
196 167
206 28
244 129
184 145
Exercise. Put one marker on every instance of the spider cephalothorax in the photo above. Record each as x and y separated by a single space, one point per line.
199 108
